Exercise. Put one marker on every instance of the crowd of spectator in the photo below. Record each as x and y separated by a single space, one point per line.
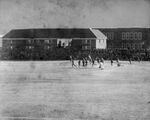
63 54
108 54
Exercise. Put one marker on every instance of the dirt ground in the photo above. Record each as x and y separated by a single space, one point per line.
53 90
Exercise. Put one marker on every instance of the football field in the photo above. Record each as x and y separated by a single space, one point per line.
53 90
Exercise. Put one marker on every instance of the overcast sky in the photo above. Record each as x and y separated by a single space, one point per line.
73 13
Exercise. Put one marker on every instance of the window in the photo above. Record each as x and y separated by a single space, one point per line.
139 36
127 36
38 42
133 45
131 35
111 45
30 47
123 45
123 36
11 47
83 47
110 35
88 41
47 47
82 41
137 45
29 41
46 41
87 47
50 41
129 45
141 46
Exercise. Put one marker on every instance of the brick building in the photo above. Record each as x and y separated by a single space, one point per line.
41 43
127 38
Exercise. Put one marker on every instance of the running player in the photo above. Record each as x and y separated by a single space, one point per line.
118 62
111 60
130 60
72 61
90 58
98 60
86 62
79 62
83 62
101 64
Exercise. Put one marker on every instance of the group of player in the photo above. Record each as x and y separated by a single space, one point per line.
85 61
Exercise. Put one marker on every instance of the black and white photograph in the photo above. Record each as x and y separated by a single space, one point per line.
74 59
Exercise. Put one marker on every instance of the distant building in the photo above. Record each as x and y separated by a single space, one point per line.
1 40
127 38
39 43
100 39
1 46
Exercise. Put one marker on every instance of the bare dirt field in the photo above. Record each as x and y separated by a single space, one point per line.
53 90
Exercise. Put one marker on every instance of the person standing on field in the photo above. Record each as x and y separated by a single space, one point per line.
111 60
118 62
101 64
72 61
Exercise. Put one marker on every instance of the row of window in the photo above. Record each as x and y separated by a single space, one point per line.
131 35
128 45
110 35
102 41
40 41
89 41
86 47
125 35
32 41
30 47
86 41
132 45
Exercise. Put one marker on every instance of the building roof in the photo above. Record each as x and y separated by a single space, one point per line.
98 34
50 33
122 29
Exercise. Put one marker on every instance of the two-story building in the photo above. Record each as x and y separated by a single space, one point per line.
127 38
40 43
